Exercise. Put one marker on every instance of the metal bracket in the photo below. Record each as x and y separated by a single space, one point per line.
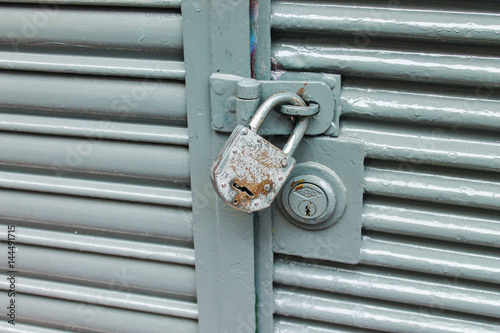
234 100
339 237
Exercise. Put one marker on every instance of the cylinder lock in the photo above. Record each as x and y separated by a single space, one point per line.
313 197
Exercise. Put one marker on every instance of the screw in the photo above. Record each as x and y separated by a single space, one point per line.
259 140
245 131
284 164
223 185
218 121
218 87
267 187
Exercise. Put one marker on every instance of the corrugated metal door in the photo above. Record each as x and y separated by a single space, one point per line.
94 167
419 89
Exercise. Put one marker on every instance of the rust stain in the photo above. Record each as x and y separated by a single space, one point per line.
302 90
297 182
242 199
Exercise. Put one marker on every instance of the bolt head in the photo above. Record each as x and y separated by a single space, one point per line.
256 204
245 131
223 185
235 151
259 140
267 187
284 164
218 87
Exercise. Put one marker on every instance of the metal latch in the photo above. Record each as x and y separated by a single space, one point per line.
234 100
250 171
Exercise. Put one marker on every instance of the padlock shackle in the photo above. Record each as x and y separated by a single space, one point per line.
297 135
269 104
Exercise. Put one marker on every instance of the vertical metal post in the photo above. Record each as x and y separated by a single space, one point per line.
260 14
216 40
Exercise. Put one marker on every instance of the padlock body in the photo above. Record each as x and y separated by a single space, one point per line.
250 171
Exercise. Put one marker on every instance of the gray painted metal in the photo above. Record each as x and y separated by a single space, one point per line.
144 68
94 166
49 210
377 315
398 287
127 3
227 108
67 315
67 154
419 90
337 238
386 20
216 40
111 298
106 271
22 328
90 30
125 248
105 99
287 325
383 61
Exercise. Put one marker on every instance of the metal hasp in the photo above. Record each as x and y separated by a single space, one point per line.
234 100
320 206
250 171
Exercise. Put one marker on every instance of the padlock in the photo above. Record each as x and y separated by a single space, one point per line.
250 171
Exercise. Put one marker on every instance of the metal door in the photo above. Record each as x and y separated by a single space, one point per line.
419 93
94 168
107 138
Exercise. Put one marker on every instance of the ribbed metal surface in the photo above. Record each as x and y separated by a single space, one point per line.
418 88
94 166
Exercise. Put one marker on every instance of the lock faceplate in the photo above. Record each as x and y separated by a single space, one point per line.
250 171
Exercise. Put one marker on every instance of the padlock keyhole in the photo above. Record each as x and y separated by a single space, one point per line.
243 189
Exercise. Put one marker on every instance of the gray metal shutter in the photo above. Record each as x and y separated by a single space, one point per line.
94 167
420 89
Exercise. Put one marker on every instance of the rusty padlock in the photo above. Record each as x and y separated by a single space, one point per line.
250 171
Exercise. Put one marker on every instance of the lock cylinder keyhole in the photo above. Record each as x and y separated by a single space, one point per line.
243 189
308 211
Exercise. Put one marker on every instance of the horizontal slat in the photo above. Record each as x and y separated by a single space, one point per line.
76 212
96 189
431 222
455 109
443 186
143 68
391 286
87 95
89 30
108 246
431 257
81 317
128 3
341 57
372 315
371 20
426 145
96 156
94 129
103 297
117 273
290 325
23 328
